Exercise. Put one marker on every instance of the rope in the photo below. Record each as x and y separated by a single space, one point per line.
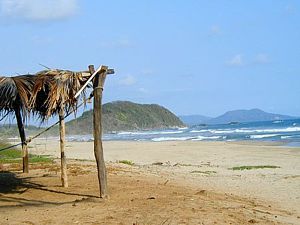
48 128
68 114
11 146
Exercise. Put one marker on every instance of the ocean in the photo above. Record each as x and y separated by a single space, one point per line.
287 131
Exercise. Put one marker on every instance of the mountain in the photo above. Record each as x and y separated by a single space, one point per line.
125 116
194 119
11 130
247 116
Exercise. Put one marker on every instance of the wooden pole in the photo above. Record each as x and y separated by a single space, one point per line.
62 134
23 140
97 116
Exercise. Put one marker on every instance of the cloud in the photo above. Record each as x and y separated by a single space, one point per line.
215 30
143 90
236 60
38 10
127 81
262 58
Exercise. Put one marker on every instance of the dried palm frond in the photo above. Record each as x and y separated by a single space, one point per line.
15 93
54 89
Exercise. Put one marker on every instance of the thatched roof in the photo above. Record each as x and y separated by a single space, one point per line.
54 89
15 93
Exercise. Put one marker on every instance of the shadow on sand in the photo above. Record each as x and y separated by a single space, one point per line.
12 186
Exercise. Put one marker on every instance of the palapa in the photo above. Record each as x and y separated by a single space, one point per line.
55 89
54 93
45 94
15 93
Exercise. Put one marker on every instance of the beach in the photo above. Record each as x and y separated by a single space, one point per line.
268 188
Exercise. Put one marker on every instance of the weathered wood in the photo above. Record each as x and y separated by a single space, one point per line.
88 74
62 134
88 81
97 116
91 78
23 140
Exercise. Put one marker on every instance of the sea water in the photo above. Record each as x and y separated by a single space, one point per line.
287 131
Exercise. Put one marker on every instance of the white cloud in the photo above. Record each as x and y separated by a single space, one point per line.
127 81
215 30
143 90
236 60
38 10
262 58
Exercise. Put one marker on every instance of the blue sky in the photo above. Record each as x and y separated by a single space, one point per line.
193 57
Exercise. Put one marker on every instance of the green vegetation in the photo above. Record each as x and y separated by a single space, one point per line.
204 172
124 115
11 130
15 156
253 167
127 162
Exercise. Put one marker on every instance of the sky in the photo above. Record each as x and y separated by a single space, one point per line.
193 57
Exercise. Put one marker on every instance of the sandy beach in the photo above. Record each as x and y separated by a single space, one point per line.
172 169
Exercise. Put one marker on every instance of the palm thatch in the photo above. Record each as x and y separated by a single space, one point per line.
15 93
55 89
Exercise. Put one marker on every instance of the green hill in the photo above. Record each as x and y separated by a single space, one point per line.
124 116
11 131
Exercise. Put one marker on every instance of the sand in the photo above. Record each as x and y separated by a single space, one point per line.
190 183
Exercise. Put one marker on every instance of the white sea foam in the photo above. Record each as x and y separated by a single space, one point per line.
221 131
124 133
201 138
230 131
290 136
151 132
286 137
259 136
171 139
79 138
278 130
274 130
198 131
169 132
182 128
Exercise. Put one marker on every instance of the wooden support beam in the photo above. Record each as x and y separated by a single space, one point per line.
23 140
62 135
97 116
88 74
91 78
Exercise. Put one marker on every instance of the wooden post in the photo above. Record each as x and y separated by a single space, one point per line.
23 140
98 84
62 134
